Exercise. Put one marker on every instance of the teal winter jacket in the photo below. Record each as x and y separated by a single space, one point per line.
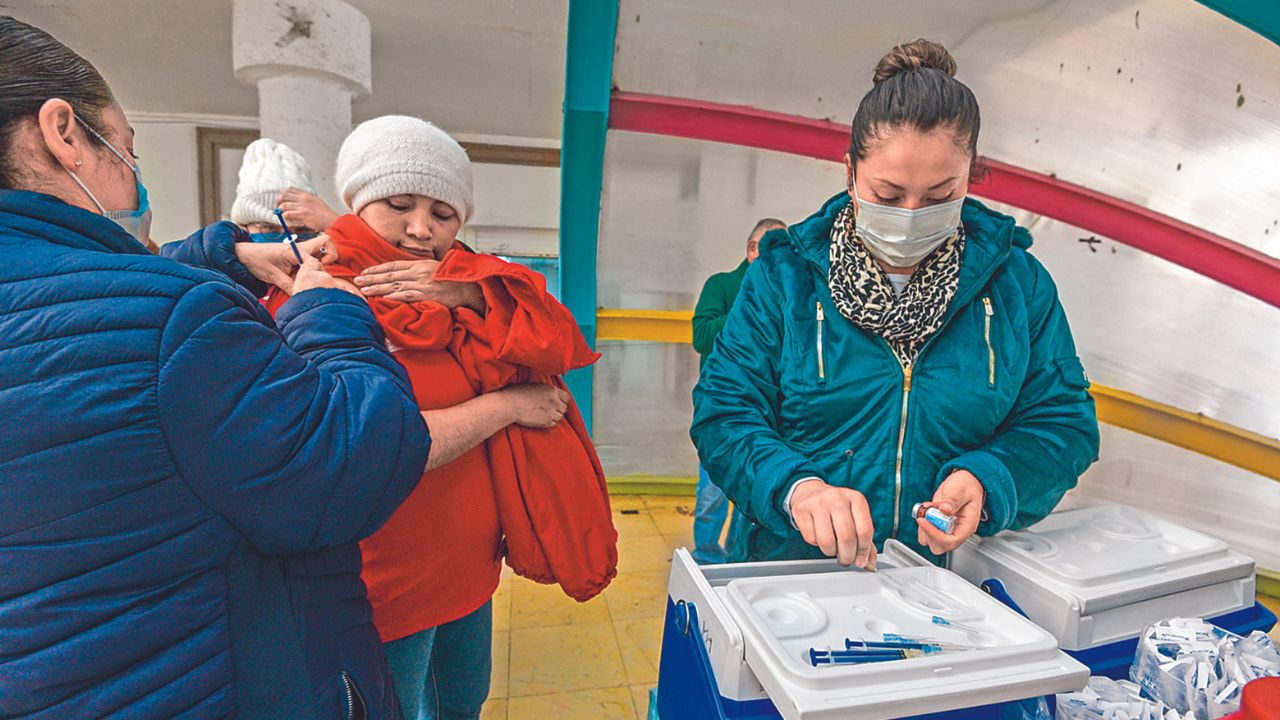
792 389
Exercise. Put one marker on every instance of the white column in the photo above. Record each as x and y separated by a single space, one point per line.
309 59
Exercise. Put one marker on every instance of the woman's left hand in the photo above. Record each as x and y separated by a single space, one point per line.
414 281
961 495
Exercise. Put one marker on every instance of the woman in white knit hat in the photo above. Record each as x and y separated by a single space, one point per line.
273 175
432 569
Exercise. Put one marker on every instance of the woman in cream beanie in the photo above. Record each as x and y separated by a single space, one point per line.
269 168
431 570
400 155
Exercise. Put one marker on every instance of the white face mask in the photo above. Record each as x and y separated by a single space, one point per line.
902 238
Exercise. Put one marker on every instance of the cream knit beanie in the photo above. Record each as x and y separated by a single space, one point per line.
401 155
269 168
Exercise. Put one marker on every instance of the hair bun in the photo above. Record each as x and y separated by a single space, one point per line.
915 55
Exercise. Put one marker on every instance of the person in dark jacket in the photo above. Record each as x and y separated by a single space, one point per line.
714 302
184 480
900 346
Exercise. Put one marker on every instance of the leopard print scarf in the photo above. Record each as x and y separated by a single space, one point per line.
862 292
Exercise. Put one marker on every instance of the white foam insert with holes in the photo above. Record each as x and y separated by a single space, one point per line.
781 618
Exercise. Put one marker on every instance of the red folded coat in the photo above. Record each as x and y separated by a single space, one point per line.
552 497
550 489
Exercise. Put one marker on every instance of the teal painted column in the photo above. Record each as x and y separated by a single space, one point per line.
587 84
1260 16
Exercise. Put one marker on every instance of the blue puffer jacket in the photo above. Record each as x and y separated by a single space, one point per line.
184 482
793 389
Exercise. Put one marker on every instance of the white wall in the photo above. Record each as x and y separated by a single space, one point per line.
167 155
517 210
675 211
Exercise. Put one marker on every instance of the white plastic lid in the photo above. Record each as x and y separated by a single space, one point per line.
782 618
1089 548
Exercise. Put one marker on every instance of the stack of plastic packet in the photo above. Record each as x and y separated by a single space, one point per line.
1195 667
1107 699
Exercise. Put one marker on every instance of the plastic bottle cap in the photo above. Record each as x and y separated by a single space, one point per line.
1261 700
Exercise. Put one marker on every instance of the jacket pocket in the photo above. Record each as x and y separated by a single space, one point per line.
356 709
1071 370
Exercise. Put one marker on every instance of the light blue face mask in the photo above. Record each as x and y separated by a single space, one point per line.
903 238
273 237
135 222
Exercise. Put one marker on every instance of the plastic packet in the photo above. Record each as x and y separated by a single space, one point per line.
1195 667
1107 699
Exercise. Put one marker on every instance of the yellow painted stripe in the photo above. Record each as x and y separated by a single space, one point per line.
649 325
652 485
1191 431
1269 584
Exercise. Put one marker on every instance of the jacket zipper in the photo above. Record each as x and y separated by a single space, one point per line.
356 709
902 425
822 368
902 436
991 351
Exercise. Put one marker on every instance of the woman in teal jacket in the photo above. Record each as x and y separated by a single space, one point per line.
900 346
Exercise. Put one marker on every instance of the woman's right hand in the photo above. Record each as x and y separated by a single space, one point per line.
305 210
535 405
836 520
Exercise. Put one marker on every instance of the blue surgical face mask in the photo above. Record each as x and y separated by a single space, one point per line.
135 222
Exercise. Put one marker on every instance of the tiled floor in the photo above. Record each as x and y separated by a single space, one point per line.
557 658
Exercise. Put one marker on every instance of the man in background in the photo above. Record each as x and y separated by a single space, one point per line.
714 303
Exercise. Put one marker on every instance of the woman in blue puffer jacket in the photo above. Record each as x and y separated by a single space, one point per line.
900 346
182 480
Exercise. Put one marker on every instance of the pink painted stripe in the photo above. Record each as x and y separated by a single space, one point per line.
1235 265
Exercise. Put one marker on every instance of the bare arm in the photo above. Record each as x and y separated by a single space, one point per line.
457 429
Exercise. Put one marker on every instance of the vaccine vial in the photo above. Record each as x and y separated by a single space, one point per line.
935 517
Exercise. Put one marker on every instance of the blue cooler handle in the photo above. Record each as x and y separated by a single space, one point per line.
686 683
995 589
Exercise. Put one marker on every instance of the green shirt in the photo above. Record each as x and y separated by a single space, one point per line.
717 297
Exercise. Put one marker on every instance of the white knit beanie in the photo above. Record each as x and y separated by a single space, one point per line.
269 168
401 155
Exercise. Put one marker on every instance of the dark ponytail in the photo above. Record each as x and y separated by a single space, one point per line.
915 87
35 67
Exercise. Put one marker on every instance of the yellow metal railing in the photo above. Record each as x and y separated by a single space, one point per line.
673 326
1192 431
